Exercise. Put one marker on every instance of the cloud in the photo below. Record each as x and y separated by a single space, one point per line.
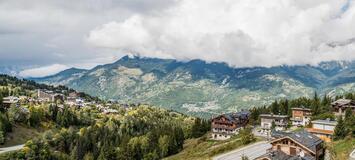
46 32
43 71
241 33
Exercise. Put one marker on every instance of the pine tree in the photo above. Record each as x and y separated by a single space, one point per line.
275 108
1 99
340 129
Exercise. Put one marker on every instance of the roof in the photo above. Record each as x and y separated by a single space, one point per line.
273 116
327 122
322 131
278 134
279 155
301 108
304 138
235 116
343 102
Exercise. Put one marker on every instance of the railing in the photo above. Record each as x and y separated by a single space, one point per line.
223 127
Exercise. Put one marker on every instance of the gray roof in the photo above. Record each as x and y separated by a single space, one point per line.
307 139
301 108
236 116
273 116
279 155
327 121
343 102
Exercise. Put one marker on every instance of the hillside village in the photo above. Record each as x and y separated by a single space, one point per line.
72 100
299 136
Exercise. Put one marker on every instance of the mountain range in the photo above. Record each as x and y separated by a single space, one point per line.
199 88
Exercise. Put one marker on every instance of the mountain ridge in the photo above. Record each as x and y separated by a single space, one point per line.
203 88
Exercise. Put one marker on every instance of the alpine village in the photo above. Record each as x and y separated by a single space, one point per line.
47 122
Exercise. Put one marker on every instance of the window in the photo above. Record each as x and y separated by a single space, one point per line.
293 151
284 142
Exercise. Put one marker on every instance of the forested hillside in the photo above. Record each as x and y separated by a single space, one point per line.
136 132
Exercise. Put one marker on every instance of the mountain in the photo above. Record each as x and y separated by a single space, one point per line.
200 88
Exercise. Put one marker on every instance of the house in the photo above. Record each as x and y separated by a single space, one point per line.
339 106
324 129
57 96
72 97
43 95
73 94
7 101
301 116
110 111
49 96
267 120
300 145
226 125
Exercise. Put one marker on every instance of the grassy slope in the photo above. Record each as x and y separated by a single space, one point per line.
21 134
342 148
203 149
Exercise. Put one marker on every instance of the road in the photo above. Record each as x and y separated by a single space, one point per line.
251 151
12 148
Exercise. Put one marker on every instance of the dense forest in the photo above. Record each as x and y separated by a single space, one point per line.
141 132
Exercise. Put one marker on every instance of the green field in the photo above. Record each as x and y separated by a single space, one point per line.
203 148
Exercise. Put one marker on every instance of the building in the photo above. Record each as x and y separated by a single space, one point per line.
7 101
43 95
267 120
323 129
226 125
300 145
73 94
301 116
49 96
339 106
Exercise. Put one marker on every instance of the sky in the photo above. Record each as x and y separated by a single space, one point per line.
47 36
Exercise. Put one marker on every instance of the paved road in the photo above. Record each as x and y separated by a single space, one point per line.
251 151
12 148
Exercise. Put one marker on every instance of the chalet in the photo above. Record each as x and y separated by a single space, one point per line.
323 129
301 116
280 121
339 106
226 125
300 145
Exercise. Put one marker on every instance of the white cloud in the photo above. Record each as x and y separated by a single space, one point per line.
43 71
241 33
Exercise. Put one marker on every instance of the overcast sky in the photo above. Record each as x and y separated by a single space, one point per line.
52 35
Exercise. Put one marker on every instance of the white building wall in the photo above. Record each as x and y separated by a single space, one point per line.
328 127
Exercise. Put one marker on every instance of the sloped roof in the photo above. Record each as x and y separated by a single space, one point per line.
343 102
304 138
279 155
307 139
235 115
303 108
